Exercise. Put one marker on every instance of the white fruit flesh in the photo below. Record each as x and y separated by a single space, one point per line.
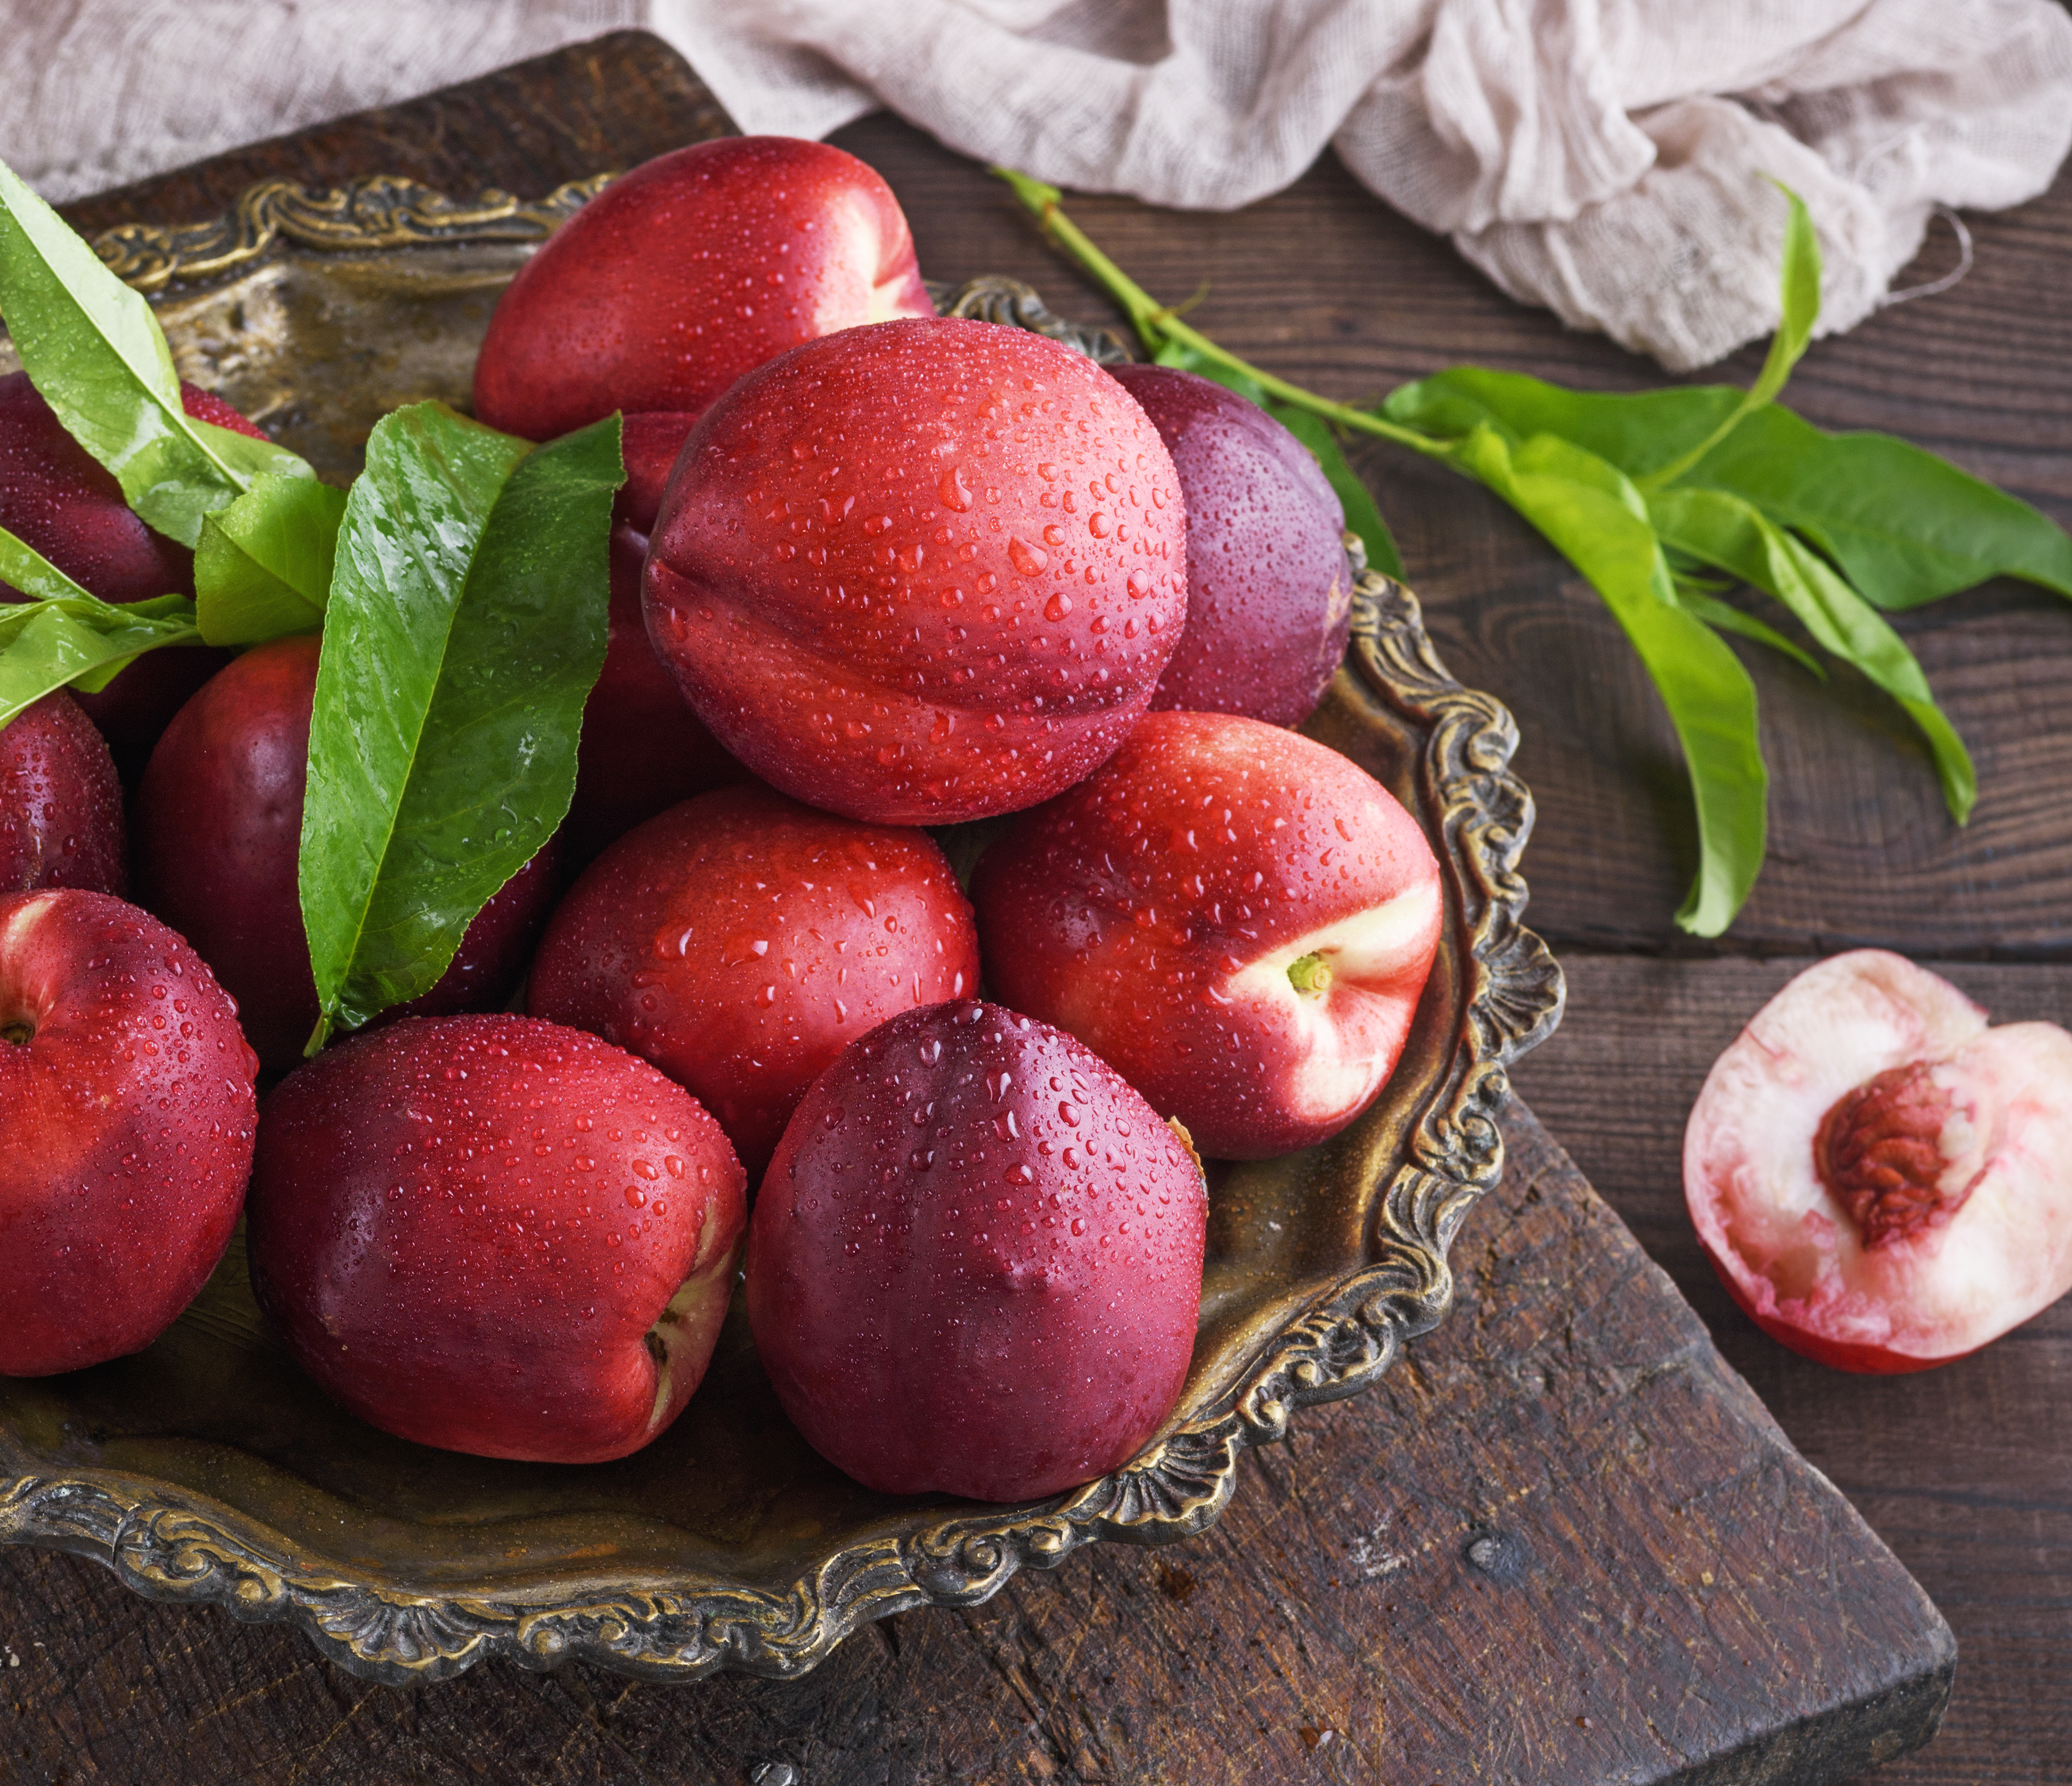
685 1332
1346 1036
1761 1209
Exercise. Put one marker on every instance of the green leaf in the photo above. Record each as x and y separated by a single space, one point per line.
263 569
64 636
465 629
1799 304
1906 526
1362 514
23 565
93 349
1730 533
1591 513
1694 598
1639 432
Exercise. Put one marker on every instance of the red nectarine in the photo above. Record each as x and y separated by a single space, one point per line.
495 1235
126 1117
683 275
923 572
741 941
60 802
1237 919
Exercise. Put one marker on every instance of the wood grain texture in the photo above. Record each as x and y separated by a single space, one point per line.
1591 1557
1967 1470
606 104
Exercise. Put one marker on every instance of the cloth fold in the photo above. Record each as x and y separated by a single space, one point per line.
1616 160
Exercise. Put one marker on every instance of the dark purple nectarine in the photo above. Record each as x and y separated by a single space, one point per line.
975 1266
1269 587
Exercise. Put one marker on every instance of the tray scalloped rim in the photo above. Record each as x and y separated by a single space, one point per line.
174 1546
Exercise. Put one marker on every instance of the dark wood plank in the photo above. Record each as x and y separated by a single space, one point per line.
1323 284
1965 1471
609 103
1561 1542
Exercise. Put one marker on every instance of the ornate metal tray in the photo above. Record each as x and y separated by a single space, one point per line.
208 1469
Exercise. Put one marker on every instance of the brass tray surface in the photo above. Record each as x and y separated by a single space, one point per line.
207 1468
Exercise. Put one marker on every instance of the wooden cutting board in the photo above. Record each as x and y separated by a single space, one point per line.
1562 1542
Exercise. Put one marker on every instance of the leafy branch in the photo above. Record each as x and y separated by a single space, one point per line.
1644 494
460 587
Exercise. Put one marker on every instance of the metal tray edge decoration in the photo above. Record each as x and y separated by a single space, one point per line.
171 1544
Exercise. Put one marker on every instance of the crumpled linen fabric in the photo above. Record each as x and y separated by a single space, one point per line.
1615 160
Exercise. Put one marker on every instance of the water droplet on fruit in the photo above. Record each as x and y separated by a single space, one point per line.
1026 558
1058 606
954 493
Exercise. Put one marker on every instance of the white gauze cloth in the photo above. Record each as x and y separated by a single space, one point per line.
1612 159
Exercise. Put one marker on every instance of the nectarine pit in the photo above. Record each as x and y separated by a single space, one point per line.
1879 1153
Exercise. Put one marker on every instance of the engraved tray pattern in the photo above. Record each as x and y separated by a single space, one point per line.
206 1470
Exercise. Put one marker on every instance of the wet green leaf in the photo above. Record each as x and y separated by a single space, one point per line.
263 569
92 348
465 629
63 636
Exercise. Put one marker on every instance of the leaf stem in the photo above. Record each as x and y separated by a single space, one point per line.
1799 308
1158 324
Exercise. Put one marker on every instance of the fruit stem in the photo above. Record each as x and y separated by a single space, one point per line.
318 1037
1311 976
1157 325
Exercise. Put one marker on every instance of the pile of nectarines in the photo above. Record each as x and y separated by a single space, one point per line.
871 570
